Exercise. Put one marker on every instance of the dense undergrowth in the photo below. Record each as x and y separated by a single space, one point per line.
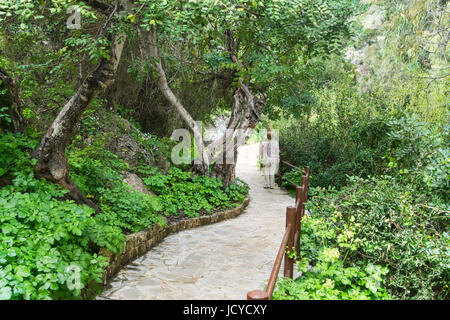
378 147
49 245
376 224
380 200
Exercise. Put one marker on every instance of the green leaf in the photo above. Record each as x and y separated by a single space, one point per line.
5 293
22 272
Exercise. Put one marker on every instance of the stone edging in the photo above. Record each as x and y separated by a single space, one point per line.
137 244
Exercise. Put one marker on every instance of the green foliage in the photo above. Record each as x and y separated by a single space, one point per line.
13 155
237 190
330 280
95 48
345 134
378 150
49 247
420 155
276 42
381 221
368 224
4 114
350 132
294 176
42 237
328 241
158 147
394 213
377 139
184 192
97 173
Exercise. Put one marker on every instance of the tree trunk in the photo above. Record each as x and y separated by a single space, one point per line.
12 101
50 153
202 162
246 112
245 115
226 170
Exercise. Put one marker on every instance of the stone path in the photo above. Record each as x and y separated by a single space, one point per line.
220 261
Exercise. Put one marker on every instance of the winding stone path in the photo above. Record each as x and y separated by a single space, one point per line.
220 261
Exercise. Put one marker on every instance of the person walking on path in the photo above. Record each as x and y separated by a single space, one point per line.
270 157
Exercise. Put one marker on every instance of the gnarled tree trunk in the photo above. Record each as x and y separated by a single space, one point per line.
246 112
152 46
245 115
50 153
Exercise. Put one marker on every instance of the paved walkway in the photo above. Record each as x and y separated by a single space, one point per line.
219 261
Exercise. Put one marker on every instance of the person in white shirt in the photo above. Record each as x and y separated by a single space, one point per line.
270 157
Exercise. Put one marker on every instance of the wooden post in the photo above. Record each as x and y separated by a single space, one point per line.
302 212
298 216
257 295
289 263
280 171
305 186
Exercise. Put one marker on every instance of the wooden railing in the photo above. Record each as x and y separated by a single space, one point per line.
291 238
285 163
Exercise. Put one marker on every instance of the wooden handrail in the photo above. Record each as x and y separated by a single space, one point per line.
291 239
280 172
286 242
277 264
293 183
292 166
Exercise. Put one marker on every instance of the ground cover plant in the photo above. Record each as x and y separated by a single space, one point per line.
49 244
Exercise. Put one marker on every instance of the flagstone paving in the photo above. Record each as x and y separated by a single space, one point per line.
219 261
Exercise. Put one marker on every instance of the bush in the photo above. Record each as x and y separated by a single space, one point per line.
97 173
333 155
44 241
382 222
330 280
184 192
418 154
390 178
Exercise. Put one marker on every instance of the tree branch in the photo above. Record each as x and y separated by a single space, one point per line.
163 85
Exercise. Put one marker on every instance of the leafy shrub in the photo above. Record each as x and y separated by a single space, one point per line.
330 280
13 155
333 154
97 173
398 204
294 176
418 154
184 192
42 237
237 190
380 221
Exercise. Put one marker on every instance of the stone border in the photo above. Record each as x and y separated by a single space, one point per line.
137 244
